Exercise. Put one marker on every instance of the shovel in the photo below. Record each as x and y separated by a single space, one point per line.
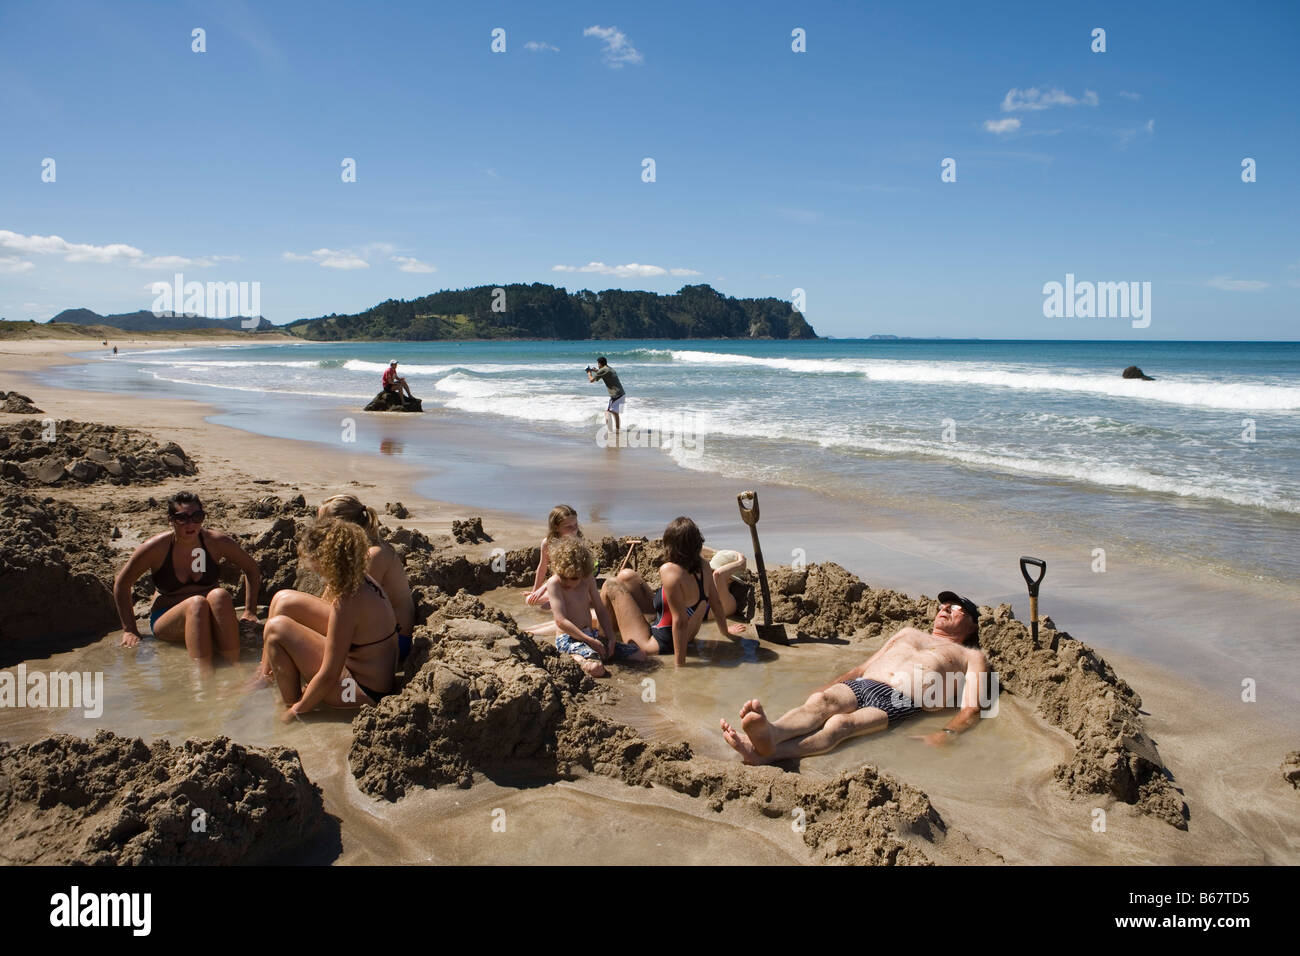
767 631
1025 565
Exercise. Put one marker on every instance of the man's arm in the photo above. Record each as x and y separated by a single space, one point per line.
976 669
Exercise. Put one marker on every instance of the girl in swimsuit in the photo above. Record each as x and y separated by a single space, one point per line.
353 660
561 523
679 604
382 564
189 605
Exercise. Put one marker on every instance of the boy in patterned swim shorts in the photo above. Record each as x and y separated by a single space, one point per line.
572 592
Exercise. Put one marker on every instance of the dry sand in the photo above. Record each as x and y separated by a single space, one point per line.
560 767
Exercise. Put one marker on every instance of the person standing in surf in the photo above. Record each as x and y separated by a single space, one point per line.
603 373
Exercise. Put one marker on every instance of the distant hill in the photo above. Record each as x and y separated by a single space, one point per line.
115 336
540 311
146 321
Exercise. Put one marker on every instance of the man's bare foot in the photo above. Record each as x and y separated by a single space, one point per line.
741 745
592 667
754 722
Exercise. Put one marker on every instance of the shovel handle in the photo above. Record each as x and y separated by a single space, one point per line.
1025 564
748 513
628 557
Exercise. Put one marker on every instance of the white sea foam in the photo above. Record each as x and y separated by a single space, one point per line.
1248 396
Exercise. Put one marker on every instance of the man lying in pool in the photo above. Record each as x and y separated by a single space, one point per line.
912 665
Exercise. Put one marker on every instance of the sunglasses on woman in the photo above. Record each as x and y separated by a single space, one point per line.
193 517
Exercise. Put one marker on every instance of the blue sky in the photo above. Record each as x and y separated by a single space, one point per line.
775 170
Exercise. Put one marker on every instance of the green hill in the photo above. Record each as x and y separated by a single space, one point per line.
540 311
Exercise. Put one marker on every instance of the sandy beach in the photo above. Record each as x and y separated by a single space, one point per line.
601 771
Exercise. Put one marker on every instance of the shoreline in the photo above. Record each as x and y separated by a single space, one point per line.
1138 607
1179 715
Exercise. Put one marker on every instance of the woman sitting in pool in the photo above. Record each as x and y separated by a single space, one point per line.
382 563
679 604
351 660
188 605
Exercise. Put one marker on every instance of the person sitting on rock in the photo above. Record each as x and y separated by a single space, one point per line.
910 666
188 605
352 660
677 604
382 563
573 598
394 383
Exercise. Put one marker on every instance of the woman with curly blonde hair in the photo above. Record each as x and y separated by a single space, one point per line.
352 660
382 563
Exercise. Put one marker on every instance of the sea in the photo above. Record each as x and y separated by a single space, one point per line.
1199 467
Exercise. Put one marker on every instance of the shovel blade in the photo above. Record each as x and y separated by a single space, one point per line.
772 633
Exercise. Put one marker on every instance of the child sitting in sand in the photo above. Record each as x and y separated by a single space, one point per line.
382 563
351 661
561 523
573 596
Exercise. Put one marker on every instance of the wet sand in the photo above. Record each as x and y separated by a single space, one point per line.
995 787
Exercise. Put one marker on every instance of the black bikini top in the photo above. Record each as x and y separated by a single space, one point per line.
165 580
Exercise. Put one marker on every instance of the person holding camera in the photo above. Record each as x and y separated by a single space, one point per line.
603 373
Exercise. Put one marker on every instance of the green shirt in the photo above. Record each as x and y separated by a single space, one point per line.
610 378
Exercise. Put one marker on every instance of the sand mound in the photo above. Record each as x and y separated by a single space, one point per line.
114 801
55 561
1075 689
85 454
824 600
488 701
469 531
1291 768
276 552
17 404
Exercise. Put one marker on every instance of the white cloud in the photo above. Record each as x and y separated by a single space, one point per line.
1036 99
632 269
1130 96
330 259
1236 285
409 264
1008 125
618 51
116 253
11 265
537 46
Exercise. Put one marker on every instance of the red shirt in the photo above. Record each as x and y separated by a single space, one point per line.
389 374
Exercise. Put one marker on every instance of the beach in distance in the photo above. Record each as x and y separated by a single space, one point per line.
1156 690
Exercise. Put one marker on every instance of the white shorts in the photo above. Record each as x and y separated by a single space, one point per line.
616 405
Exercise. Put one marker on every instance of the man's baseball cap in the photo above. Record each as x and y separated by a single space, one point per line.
393 362
966 604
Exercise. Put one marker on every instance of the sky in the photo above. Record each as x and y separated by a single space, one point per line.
774 169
